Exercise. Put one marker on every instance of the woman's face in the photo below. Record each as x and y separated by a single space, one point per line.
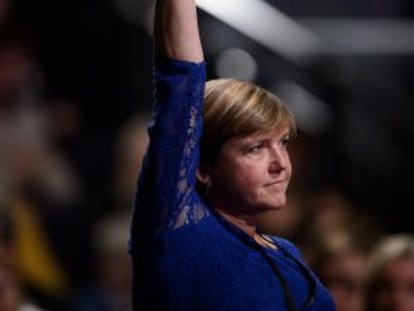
9 293
395 291
252 172
343 275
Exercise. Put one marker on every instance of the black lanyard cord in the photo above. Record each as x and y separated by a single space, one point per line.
290 304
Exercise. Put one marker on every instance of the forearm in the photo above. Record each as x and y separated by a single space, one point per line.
176 30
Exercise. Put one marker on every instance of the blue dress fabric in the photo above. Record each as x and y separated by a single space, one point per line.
186 256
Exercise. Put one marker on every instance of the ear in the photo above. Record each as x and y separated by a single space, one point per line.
203 174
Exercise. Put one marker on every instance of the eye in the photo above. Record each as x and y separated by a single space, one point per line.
255 148
285 141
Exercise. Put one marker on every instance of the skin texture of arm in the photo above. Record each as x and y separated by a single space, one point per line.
176 30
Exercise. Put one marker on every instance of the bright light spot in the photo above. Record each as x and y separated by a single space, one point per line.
312 115
236 63
263 23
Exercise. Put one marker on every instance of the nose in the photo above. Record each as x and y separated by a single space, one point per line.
279 159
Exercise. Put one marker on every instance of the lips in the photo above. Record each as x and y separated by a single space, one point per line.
275 183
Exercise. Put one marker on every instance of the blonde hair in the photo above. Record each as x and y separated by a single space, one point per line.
237 108
396 246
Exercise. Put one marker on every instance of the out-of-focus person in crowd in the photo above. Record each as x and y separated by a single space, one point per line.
390 274
332 218
341 266
130 148
12 295
111 286
35 178
111 289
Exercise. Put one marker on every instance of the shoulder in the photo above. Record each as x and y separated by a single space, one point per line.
200 244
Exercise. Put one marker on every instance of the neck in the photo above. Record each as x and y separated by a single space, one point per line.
247 223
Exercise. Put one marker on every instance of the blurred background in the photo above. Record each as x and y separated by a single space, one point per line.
75 91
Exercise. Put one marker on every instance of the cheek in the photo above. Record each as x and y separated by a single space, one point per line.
233 178
245 183
251 174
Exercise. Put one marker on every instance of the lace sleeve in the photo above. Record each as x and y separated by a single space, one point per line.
166 196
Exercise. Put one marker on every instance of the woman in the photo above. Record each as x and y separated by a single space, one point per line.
194 243
390 279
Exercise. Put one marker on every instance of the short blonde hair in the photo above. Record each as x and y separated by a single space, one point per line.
390 248
237 108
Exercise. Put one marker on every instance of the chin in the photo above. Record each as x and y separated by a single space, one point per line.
278 204
277 207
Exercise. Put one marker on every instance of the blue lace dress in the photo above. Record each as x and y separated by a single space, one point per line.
185 256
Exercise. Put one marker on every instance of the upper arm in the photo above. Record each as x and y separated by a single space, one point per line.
166 196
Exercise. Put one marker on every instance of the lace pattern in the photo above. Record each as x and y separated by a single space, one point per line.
173 153
198 260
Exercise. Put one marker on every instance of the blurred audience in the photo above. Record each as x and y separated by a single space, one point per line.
341 267
130 148
12 294
111 286
336 239
35 177
331 218
111 290
390 278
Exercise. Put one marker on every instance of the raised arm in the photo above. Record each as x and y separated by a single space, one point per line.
176 30
165 197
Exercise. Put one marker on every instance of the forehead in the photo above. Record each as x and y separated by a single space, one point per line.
279 131
400 269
